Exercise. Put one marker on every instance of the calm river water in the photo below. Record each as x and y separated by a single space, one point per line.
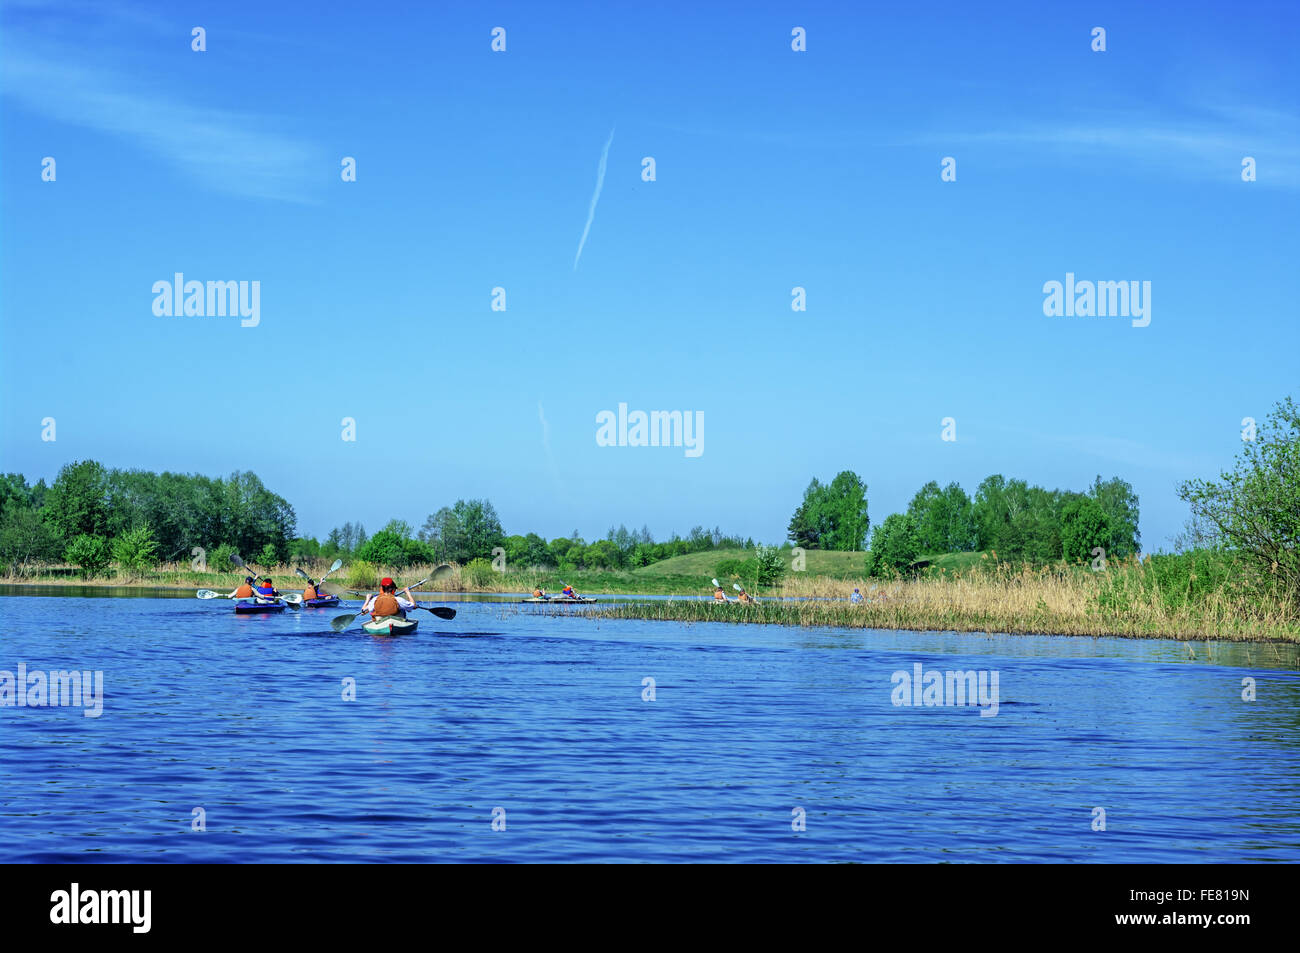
518 734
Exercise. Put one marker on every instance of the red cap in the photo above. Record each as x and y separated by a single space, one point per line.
386 582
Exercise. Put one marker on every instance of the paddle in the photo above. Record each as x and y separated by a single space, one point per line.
291 598
741 589
333 568
341 622
234 558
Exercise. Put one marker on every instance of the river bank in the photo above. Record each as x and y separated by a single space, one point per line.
1128 599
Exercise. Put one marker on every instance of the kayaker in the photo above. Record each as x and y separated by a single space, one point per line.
539 592
313 591
720 595
266 592
388 602
568 592
245 591
746 598
856 597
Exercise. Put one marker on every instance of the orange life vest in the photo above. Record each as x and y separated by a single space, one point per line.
385 605
309 592
244 592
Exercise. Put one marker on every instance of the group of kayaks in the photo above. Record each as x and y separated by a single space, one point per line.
566 597
561 600
252 607
272 602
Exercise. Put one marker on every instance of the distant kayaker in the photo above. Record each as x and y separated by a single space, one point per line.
539 592
746 598
720 595
388 602
245 591
856 597
568 592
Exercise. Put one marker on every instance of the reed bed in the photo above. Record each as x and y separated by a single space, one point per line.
1122 601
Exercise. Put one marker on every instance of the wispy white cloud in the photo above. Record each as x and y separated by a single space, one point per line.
1124 450
595 197
1210 144
232 151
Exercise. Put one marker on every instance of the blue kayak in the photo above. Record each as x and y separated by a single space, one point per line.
251 608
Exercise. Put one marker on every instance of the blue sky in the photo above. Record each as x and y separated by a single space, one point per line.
775 169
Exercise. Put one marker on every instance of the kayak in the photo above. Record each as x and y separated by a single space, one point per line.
580 601
320 602
250 608
390 625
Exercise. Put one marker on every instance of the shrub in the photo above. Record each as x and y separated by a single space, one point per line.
362 575
26 539
136 550
769 565
219 558
734 568
91 554
478 573
1255 508
895 545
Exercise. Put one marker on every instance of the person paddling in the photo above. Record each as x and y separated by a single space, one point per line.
568 592
266 591
746 598
856 597
539 593
245 591
313 591
388 603
720 595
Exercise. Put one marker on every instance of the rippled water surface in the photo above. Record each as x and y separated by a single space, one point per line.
541 713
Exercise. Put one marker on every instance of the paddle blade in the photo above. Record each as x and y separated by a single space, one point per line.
737 587
293 598
207 594
341 622
299 571
442 612
715 584
234 558
338 564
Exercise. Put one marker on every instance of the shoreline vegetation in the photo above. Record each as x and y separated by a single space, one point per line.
1013 557
1195 597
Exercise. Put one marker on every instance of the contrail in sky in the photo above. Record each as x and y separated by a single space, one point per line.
546 443
600 183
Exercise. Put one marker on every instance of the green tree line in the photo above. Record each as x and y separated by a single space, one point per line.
470 531
1017 521
1020 522
92 516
